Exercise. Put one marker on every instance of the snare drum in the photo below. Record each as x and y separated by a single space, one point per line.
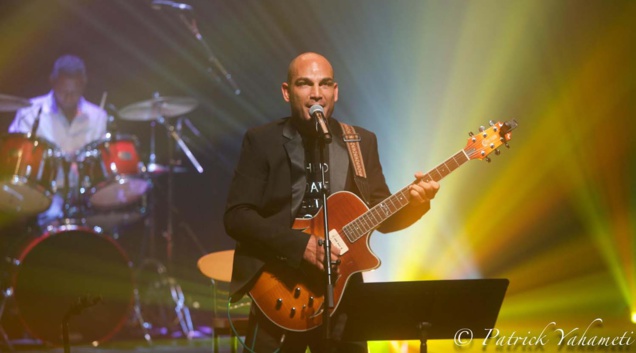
113 219
28 169
111 172
68 263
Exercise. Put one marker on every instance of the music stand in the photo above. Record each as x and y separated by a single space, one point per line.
421 310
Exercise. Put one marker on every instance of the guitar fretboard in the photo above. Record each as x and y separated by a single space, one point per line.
385 209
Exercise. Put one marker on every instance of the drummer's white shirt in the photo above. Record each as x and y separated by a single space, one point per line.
89 123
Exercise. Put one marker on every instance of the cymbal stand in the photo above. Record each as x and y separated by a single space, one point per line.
181 309
173 133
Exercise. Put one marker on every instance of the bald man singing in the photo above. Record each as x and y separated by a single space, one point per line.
278 178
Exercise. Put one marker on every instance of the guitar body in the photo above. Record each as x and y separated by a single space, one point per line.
294 298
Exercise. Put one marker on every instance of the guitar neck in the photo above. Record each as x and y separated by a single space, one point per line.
392 204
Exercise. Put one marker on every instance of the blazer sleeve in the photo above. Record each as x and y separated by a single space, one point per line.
265 233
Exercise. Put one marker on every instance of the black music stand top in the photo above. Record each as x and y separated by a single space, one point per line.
395 310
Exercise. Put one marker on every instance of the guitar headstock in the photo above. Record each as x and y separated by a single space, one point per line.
489 140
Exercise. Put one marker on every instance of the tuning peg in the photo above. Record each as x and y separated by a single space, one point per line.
482 128
470 133
491 123
497 152
487 159
507 145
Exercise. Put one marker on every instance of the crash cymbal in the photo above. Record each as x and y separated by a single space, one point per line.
11 103
154 168
166 107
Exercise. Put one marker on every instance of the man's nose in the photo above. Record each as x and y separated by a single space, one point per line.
316 94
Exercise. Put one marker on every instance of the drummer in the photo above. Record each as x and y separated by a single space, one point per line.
65 117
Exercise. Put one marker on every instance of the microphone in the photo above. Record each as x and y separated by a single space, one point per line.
318 113
160 4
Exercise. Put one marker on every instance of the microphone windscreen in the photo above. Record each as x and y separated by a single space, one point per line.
316 108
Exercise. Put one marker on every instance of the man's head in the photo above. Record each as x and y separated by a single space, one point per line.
309 81
68 80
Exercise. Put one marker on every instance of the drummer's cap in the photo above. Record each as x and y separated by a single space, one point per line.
69 65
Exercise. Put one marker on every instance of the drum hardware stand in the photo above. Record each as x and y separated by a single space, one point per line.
145 326
181 310
6 294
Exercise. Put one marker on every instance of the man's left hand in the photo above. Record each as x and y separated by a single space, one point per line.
422 191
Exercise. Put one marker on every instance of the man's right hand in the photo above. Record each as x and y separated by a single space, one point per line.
315 253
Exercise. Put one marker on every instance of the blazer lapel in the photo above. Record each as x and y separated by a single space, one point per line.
296 155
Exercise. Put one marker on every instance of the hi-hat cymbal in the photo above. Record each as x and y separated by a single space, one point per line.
152 109
11 103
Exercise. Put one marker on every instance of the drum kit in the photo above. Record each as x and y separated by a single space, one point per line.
76 254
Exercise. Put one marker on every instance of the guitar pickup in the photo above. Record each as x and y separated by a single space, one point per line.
337 240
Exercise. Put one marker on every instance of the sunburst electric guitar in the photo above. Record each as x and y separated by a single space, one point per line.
294 299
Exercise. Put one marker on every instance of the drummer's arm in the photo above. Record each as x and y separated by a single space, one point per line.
22 122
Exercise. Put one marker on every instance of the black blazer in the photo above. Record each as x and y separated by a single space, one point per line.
267 188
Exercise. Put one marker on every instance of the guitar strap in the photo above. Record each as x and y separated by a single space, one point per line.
352 140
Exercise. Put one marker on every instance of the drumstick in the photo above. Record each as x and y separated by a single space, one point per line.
103 103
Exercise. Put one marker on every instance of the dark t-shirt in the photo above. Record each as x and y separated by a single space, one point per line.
312 200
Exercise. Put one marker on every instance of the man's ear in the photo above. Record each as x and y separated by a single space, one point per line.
284 88
335 91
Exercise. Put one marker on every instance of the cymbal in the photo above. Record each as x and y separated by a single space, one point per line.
154 168
11 103
217 265
152 109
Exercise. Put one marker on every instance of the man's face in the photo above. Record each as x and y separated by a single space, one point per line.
310 81
68 90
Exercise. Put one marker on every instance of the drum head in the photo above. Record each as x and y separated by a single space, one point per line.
23 198
122 192
60 268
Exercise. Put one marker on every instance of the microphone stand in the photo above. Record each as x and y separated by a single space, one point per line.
326 315
192 26
76 308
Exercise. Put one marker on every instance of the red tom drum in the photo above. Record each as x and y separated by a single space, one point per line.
28 169
111 173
